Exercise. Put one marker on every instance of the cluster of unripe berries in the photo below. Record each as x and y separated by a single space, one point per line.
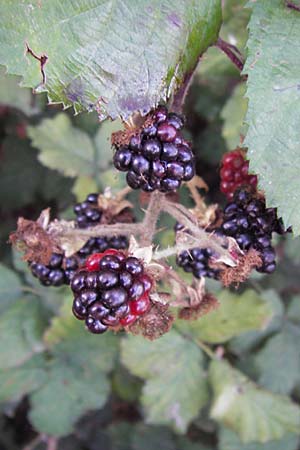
60 270
234 173
111 290
251 224
158 158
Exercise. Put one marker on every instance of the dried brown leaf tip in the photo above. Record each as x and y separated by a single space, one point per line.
209 303
33 241
246 263
155 323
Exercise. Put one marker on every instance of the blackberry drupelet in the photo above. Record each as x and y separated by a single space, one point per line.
196 261
234 173
57 272
112 289
159 158
251 224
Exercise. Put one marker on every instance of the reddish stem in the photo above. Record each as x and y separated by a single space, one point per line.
232 52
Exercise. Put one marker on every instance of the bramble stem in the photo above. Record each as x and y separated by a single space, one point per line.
124 229
232 52
206 349
202 239
151 217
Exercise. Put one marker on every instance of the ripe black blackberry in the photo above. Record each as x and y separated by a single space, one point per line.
248 220
57 272
159 158
110 290
196 260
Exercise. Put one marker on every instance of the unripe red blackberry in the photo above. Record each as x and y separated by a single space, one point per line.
159 158
234 173
112 289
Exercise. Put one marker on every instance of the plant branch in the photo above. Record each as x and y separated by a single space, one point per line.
232 52
202 239
151 217
125 229
292 5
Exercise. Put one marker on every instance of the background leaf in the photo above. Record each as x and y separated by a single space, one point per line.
175 388
235 315
273 66
254 414
230 441
233 115
10 287
98 53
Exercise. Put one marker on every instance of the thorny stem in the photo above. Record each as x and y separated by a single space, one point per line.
203 239
125 229
206 349
232 52
292 5
151 216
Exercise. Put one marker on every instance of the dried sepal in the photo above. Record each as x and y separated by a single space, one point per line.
69 242
34 241
154 324
209 303
246 263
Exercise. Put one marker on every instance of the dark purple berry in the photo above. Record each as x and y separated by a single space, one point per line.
95 326
79 310
114 297
125 279
133 266
159 168
175 170
140 165
122 159
151 149
189 172
97 310
170 184
175 120
166 132
55 261
107 279
87 297
134 181
110 262
136 290
169 152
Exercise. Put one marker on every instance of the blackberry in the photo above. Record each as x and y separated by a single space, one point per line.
112 289
196 261
57 272
157 159
234 173
88 212
248 220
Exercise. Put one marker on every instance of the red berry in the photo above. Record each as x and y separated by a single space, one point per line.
234 173
140 306
128 320
92 262
166 132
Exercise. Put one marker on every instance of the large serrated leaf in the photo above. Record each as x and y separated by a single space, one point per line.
18 381
175 388
228 440
279 360
253 413
121 56
273 67
235 315
10 287
21 328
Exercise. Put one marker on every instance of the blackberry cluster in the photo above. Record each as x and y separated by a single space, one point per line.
57 272
196 260
112 289
251 224
159 158
234 173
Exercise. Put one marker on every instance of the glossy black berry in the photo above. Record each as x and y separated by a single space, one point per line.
158 158
105 290
249 221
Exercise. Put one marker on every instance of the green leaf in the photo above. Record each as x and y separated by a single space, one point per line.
279 361
228 440
103 145
63 147
120 57
18 381
152 438
175 388
253 413
235 315
69 392
245 342
233 115
77 374
10 287
273 66
21 328
12 95
83 186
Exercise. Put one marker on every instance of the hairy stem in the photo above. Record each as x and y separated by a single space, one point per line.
232 52
124 229
202 238
151 217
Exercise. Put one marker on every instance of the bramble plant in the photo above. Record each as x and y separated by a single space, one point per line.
151 288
